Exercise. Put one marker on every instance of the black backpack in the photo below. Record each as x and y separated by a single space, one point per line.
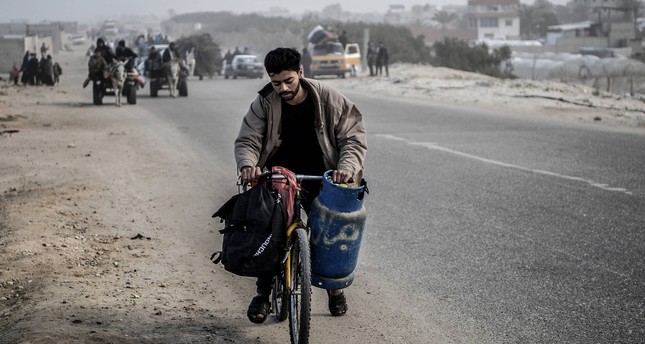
254 232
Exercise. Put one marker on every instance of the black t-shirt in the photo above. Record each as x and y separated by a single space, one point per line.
299 150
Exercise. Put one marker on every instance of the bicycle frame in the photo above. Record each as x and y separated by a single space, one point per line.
287 261
296 223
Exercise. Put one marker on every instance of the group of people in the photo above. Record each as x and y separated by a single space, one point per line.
156 60
104 56
36 72
377 59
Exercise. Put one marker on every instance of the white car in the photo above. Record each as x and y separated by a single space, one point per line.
244 65
77 40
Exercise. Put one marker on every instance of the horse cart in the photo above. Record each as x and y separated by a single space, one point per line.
103 85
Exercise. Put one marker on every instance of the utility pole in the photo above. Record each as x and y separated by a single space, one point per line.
366 39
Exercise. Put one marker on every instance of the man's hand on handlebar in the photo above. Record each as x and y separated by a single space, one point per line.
249 173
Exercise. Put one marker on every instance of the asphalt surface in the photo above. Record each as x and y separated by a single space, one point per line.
482 227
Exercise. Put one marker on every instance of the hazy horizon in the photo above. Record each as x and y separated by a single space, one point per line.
91 10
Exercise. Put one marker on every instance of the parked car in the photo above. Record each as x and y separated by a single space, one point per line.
77 40
245 66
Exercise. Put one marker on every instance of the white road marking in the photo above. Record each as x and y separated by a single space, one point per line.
434 146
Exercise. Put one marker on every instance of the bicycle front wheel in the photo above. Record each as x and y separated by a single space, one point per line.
300 293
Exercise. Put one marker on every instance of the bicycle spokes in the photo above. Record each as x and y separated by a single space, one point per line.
300 293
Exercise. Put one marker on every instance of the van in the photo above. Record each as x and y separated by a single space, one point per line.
328 58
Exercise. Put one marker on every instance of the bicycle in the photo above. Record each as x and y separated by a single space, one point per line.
291 291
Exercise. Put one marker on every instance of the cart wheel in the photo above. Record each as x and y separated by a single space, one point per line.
132 95
154 87
97 93
183 88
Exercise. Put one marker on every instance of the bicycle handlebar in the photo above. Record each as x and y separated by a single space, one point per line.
278 175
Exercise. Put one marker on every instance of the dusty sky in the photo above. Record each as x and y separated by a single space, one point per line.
92 10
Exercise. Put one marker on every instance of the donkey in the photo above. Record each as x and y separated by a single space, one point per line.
190 62
118 75
172 69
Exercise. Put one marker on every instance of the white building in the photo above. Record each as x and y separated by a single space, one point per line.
495 19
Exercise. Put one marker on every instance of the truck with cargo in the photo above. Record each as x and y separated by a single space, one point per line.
330 57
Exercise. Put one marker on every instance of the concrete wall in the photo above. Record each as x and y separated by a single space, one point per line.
33 44
573 44
13 49
621 34
53 30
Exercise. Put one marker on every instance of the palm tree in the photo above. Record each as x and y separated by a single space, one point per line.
444 18
419 25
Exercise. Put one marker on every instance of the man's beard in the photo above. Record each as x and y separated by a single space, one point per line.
289 95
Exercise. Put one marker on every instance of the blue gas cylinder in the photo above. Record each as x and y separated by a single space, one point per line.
337 219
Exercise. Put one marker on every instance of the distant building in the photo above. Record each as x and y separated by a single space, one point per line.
579 31
397 15
495 19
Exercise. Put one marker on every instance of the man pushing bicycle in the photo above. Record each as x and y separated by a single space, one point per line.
307 127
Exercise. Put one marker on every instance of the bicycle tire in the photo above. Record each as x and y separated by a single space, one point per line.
300 293
280 298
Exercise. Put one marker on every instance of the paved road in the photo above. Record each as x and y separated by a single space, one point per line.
482 228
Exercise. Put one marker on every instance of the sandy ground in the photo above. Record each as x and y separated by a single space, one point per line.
566 101
85 242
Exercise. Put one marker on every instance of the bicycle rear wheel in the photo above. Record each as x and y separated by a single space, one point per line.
280 298
300 293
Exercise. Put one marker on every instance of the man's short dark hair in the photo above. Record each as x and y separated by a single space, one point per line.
282 59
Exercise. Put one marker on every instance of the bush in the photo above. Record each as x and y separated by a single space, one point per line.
262 34
208 55
402 46
457 54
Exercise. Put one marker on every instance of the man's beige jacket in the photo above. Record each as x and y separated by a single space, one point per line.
338 123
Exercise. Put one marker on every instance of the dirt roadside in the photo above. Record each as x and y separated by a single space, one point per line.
94 206
562 101
94 203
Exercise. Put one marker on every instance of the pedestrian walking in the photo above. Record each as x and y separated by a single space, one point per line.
58 71
47 71
343 38
43 50
14 74
24 68
371 58
382 59
32 70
